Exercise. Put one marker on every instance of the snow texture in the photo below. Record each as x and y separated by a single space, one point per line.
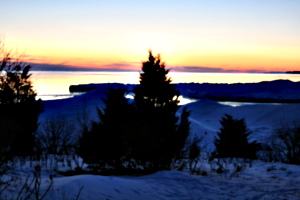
257 182
261 181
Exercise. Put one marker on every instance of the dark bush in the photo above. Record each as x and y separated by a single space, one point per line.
232 140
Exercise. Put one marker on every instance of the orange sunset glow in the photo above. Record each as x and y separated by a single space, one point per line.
191 36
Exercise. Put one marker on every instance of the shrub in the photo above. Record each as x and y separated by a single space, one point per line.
285 142
232 140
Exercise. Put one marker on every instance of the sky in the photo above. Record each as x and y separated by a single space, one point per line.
191 35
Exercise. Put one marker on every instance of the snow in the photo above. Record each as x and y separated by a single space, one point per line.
257 182
261 181
261 119
266 91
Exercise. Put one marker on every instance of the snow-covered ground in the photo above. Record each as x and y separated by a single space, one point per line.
254 183
261 181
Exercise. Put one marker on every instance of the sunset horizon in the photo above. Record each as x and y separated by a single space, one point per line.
192 36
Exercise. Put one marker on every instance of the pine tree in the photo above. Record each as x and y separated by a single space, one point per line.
156 99
182 132
232 140
18 108
155 90
107 143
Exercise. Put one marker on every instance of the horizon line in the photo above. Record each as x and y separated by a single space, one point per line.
177 71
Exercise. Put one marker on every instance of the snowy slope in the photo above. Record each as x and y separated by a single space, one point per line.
257 182
261 119
266 91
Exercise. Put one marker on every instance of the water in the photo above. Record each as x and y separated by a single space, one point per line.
55 84
236 104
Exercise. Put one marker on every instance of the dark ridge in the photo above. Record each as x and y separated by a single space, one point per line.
277 91
293 72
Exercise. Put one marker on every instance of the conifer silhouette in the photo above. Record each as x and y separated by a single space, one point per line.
158 138
107 143
18 108
232 140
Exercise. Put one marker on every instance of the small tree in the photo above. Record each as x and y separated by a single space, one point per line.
107 144
182 132
232 140
285 142
158 138
193 155
56 139
18 108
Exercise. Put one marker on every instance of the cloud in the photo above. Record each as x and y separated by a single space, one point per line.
120 67
201 69
211 69
197 69
52 67
66 67
130 66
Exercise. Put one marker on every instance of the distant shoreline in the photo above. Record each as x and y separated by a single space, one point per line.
293 72
278 91
171 71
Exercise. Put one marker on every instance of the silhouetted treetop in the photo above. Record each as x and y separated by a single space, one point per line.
15 85
155 89
159 138
19 109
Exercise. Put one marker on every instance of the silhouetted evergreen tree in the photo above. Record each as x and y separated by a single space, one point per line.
107 143
194 151
158 138
232 140
182 131
18 108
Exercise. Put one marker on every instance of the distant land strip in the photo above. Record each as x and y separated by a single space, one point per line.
278 91
293 72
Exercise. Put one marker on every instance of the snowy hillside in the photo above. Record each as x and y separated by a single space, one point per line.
266 91
261 181
261 118
257 183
